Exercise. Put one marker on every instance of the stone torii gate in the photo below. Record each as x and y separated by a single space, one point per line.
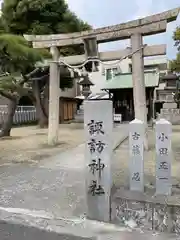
135 30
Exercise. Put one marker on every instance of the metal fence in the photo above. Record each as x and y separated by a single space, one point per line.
23 114
27 114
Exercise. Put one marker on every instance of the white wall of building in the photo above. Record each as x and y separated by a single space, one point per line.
99 78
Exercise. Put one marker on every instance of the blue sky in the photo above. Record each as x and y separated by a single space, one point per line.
99 13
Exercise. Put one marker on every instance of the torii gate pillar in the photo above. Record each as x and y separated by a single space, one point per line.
139 88
138 78
54 91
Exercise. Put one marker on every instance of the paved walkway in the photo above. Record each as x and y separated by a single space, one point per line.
35 194
10 231
55 186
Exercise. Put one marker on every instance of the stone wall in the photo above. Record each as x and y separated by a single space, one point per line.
170 112
147 212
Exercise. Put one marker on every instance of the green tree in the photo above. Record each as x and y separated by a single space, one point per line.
42 17
175 64
16 57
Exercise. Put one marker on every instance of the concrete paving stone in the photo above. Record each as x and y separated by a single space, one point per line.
55 185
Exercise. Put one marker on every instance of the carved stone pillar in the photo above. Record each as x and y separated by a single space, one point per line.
54 85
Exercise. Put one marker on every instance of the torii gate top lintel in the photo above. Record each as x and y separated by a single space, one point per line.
132 29
146 26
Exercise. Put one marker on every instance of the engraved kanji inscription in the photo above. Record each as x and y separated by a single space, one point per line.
163 151
136 177
162 137
163 165
135 136
96 189
96 166
95 127
96 146
136 150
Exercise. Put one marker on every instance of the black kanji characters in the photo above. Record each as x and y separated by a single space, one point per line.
96 189
163 151
162 137
96 146
136 177
136 150
100 146
96 166
95 127
163 165
135 136
92 146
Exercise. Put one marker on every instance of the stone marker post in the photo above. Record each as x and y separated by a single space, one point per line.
136 152
163 157
98 123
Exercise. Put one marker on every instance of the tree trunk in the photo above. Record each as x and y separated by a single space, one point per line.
42 117
7 125
46 100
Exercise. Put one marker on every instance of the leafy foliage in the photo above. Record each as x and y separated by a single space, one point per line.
16 55
16 58
175 64
40 17
11 86
43 17
176 38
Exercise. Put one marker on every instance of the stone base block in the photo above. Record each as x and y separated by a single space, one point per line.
174 119
170 105
147 212
171 111
170 114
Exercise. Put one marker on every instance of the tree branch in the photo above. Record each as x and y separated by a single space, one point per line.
40 78
30 75
7 95
36 70
24 80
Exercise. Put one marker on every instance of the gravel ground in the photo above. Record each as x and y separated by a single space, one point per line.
29 144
